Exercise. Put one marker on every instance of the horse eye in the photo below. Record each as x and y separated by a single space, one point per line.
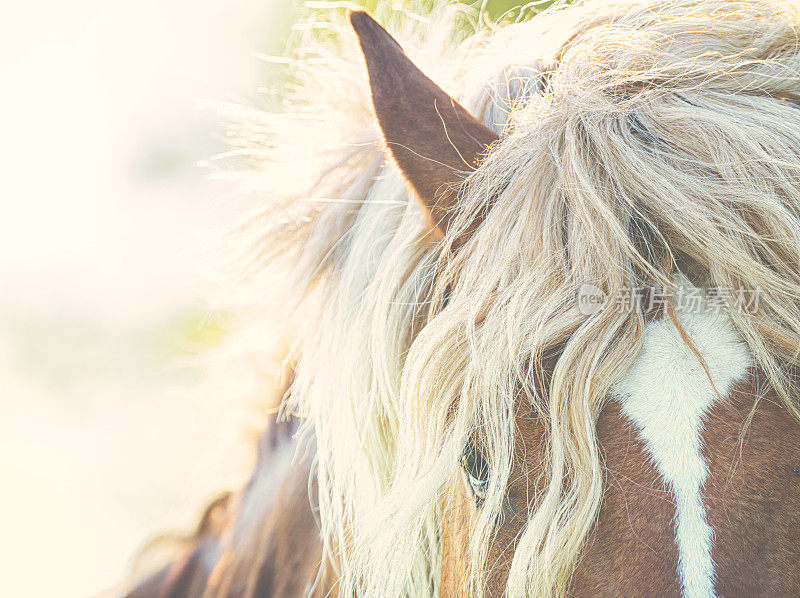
477 471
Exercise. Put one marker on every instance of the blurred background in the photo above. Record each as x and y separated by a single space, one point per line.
109 220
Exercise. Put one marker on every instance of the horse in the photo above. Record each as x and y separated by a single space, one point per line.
544 328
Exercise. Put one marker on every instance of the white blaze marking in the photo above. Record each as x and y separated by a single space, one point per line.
667 393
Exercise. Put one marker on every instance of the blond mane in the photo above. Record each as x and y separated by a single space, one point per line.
636 139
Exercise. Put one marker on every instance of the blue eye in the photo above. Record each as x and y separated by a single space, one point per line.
477 471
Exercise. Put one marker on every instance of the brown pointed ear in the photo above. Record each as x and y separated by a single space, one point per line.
434 140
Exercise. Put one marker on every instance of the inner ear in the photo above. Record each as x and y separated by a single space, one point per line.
435 142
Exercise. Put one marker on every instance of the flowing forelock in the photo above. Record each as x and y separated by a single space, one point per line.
635 138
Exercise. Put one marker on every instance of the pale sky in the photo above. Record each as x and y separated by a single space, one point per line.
104 217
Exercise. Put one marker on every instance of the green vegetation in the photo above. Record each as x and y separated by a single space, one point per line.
493 10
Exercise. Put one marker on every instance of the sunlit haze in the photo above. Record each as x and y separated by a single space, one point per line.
106 217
